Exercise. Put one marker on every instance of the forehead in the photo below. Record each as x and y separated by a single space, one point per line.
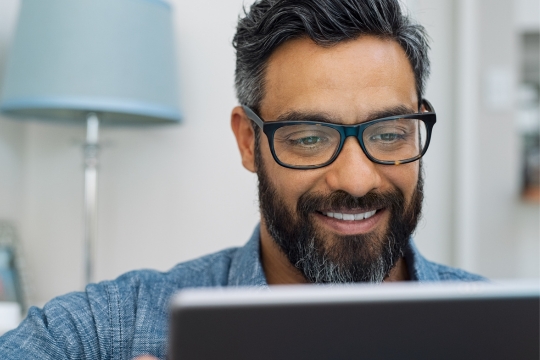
348 80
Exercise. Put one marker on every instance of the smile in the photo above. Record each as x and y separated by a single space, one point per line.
350 217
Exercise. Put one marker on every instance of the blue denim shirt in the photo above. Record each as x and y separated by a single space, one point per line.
128 317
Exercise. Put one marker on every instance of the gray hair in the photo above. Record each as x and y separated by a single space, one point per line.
270 23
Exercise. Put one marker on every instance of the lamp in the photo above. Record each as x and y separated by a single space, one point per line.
94 62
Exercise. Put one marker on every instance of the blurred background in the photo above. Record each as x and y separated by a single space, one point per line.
166 196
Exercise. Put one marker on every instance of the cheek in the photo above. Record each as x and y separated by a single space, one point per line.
289 183
402 177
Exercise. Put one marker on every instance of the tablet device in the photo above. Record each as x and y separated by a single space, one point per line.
388 321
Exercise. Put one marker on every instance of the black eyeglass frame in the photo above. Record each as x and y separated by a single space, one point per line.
270 127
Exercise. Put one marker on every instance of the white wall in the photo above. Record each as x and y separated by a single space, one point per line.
11 133
434 234
171 193
474 217
166 194
506 225
498 162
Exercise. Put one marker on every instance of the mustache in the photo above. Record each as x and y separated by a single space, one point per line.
314 202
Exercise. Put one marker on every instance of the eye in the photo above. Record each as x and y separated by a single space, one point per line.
308 140
387 137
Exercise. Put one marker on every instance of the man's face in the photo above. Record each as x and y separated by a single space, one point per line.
349 83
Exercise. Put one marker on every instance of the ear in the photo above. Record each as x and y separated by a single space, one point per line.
245 137
423 107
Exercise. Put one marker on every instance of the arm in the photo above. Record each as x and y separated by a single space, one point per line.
64 329
117 319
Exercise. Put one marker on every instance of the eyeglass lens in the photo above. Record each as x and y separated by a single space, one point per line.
311 145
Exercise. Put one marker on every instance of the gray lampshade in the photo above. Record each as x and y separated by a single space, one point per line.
113 57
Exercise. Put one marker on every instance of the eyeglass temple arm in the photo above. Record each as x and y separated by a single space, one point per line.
251 114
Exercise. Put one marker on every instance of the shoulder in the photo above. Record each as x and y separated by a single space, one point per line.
152 286
448 273
424 270
208 270
110 318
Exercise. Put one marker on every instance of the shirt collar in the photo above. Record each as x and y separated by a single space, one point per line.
246 267
420 269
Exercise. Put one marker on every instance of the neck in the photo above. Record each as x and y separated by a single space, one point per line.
279 270
277 267
399 272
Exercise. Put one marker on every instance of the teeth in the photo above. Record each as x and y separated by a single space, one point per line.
351 217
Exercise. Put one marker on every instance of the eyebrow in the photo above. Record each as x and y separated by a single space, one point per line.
328 118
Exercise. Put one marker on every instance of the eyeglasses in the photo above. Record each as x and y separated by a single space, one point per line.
390 140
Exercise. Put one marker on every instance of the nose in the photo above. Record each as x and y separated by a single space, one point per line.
352 171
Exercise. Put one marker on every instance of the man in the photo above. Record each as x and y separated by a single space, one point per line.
334 123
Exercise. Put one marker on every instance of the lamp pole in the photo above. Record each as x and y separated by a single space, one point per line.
91 149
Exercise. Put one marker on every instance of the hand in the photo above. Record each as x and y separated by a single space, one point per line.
146 357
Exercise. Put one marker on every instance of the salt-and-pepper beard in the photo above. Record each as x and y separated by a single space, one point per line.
337 258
